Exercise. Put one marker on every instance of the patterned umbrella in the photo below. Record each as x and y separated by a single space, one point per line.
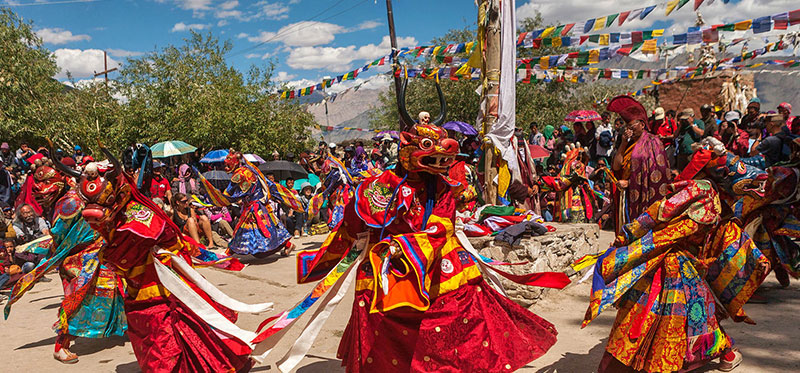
394 134
215 156
582 116
461 127
171 148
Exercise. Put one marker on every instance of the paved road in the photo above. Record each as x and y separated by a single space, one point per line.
26 339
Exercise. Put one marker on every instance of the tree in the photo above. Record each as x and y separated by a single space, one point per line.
190 93
26 83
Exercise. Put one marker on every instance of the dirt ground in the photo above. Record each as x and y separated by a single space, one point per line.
26 338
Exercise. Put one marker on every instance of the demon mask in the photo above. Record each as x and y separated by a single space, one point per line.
105 195
48 185
426 148
232 161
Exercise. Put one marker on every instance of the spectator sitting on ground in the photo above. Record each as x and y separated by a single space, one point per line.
159 186
191 221
6 222
185 183
28 226
9 272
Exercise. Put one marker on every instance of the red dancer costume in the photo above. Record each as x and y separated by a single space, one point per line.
177 321
421 303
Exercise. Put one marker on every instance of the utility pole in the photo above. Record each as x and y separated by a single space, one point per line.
488 13
395 64
105 68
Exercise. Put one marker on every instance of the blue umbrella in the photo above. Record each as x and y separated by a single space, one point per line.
215 156
461 127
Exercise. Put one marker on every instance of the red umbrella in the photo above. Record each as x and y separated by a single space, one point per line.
538 152
582 116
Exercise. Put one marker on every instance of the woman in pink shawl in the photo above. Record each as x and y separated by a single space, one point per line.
185 183
640 164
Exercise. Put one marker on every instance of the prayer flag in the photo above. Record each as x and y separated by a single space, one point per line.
679 39
594 38
567 29
761 25
623 16
558 31
794 17
588 26
594 56
671 6
781 21
599 23
544 62
547 32
583 39
635 14
728 27
647 11
583 59
711 35
637 37
614 37
603 39
610 19
657 33
744 25
695 37
556 42
650 46
697 4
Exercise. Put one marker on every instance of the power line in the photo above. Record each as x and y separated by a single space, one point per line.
287 31
52 3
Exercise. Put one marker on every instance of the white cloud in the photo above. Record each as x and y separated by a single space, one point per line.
301 83
368 25
273 11
181 27
283 76
123 53
300 34
222 22
59 36
341 58
258 55
228 5
375 82
81 63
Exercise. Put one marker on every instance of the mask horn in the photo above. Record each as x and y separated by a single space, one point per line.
114 161
405 118
442 104
60 166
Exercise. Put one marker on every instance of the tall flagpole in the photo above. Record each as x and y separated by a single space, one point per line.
393 40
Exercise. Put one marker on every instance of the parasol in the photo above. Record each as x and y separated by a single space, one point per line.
582 116
219 179
461 127
215 156
254 158
284 170
381 134
538 152
171 148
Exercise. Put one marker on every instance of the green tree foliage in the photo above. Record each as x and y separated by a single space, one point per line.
186 92
545 103
26 84
190 93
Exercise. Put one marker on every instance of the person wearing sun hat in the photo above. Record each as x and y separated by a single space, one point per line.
640 163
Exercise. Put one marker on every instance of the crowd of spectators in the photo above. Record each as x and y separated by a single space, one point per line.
750 134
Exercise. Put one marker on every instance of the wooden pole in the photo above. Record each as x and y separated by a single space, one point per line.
105 68
490 77
393 40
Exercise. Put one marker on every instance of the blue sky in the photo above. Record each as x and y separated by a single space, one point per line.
305 48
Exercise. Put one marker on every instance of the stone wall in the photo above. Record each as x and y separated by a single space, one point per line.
552 252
